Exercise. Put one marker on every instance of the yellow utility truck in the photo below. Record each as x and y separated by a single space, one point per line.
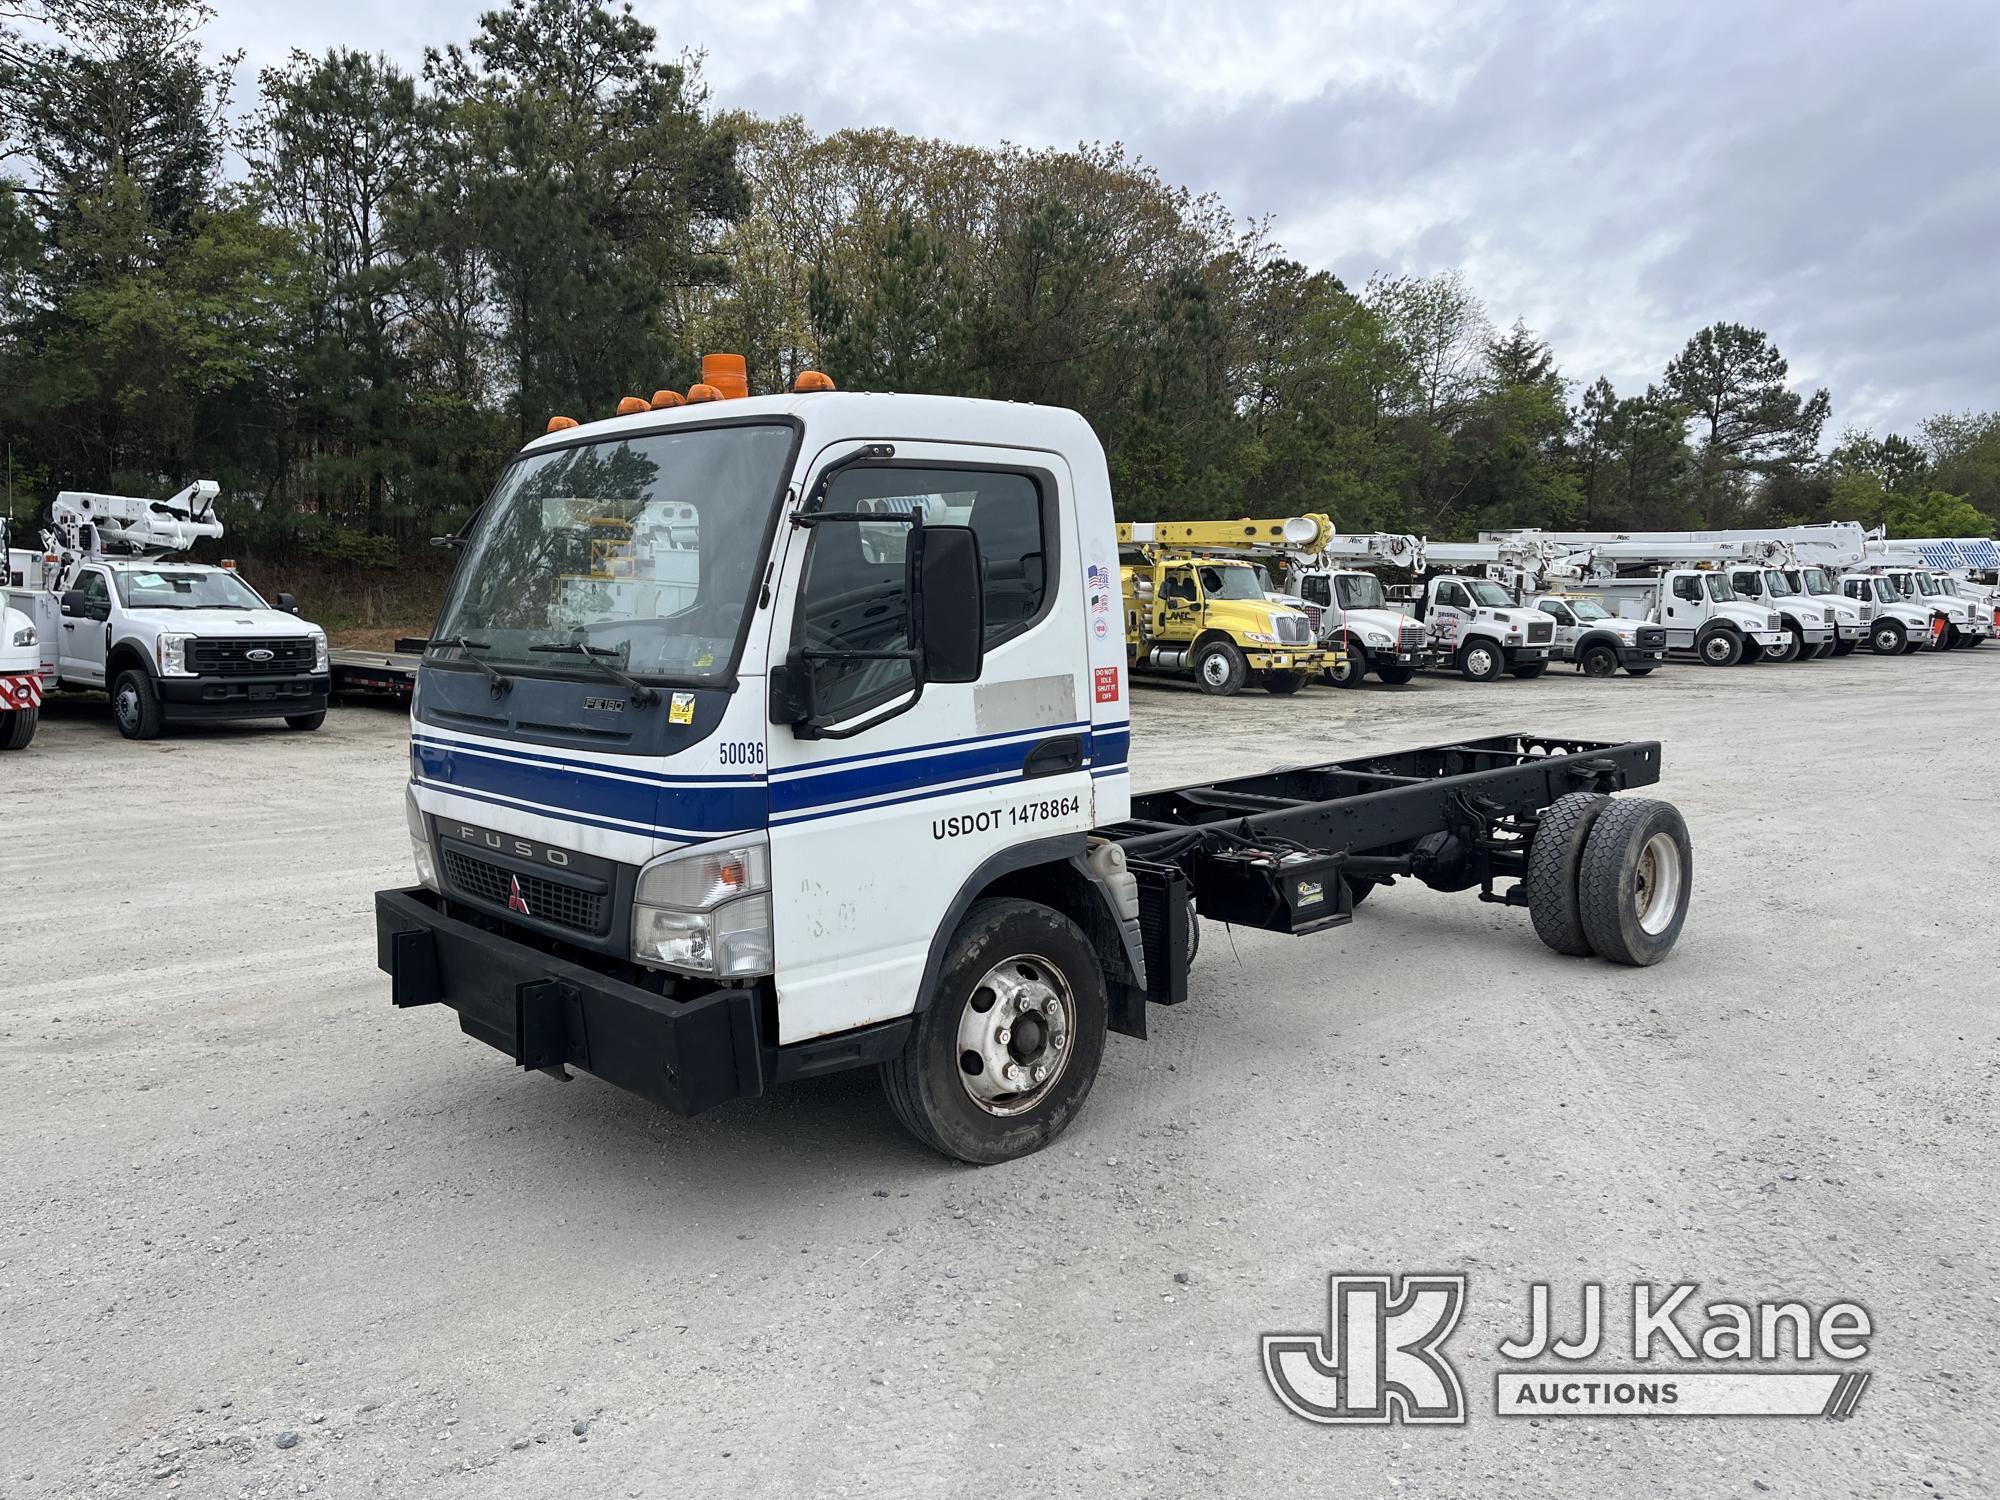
1187 614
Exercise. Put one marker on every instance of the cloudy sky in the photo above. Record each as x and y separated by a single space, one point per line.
1618 175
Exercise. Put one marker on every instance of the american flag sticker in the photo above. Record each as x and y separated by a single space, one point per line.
1097 583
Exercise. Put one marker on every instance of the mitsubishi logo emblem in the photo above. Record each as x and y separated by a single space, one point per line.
515 900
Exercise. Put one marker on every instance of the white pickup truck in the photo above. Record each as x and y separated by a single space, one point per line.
862 797
1597 641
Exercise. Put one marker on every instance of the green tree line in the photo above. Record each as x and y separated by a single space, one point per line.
351 296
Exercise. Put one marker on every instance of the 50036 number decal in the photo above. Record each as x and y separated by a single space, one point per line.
1042 810
742 753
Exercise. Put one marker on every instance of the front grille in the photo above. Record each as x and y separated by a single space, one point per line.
1413 635
547 900
1313 613
1541 632
231 658
1293 630
1652 638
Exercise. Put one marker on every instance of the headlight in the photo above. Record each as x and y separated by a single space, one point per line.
1374 638
420 841
706 911
171 654
319 652
1261 637
25 636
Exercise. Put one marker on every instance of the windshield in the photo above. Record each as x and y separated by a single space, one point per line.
1588 609
1926 585
1237 582
1486 592
1780 586
1887 589
645 546
1360 591
1747 584
185 588
1719 589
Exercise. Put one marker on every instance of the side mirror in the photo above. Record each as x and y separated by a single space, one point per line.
73 603
951 600
288 603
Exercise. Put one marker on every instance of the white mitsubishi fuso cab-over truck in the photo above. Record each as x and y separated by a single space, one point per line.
839 777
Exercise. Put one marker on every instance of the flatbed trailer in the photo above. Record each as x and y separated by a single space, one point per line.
389 672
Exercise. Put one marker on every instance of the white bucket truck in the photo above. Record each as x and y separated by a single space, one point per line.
862 797
169 642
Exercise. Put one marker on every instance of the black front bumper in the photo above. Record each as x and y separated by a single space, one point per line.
1643 655
546 1012
212 697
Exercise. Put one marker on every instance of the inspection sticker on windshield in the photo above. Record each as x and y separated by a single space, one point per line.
681 710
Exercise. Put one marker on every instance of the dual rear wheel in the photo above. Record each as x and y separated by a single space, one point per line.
1610 876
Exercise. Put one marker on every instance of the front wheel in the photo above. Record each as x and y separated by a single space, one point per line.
1221 669
1000 1060
1479 661
17 727
306 721
1529 671
1844 648
1353 666
1284 684
1599 661
1887 637
135 704
1395 673
1794 644
1720 647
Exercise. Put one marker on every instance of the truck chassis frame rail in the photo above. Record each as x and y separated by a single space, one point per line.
1293 850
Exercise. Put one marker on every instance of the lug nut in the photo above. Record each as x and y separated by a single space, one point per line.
1004 1033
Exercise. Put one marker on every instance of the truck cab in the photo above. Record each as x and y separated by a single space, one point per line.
1851 617
1474 624
1352 614
1700 612
1598 641
175 643
1968 624
1901 625
1810 624
1208 617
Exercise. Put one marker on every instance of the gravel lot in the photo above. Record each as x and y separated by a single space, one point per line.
262 1235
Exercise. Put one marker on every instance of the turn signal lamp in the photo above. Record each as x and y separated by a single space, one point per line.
703 392
631 406
561 424
812 380
727 374
662 400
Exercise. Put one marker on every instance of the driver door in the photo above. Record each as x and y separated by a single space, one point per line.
1567 629
873 837
81 648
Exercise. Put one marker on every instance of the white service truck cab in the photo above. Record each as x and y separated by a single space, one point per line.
850 787
1851 617
1700 612
1810 624
1475 625
1966 623
1901 625
1597 641
1351 610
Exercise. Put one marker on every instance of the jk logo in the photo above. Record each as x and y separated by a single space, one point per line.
1379 1359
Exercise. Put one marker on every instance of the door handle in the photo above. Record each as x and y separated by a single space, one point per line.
1053 757
69 624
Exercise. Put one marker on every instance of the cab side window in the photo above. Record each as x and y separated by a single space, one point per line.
1314 589
1556 612
96 595
1688 586
1179 588
1011 512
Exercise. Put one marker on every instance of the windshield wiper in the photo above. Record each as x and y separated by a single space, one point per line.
501 683
641 694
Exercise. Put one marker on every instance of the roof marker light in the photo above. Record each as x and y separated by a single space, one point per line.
813 380
631 406
561 424
702 393
664 400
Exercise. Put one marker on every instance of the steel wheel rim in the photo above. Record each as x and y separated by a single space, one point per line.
1480 660
1015 1050
1717 648
1885 640
126 707
1656 885
1215 668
